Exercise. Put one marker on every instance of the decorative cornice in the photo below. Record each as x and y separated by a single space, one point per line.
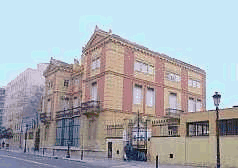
136 47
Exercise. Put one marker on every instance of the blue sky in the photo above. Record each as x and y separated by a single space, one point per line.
202 33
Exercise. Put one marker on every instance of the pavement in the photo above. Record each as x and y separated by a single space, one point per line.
100 162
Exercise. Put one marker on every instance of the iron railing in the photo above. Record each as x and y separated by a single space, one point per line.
173 112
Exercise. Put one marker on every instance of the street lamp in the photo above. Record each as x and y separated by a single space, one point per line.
25 138
216 98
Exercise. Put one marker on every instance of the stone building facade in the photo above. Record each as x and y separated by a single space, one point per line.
116 80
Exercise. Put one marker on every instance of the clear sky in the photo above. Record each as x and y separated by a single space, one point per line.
202 33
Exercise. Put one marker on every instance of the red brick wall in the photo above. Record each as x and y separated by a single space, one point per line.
127 82
184 85
159 90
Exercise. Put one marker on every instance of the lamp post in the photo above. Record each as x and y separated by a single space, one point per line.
146 150
25 138
216 98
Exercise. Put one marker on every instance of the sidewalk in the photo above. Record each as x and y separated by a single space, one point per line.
103 162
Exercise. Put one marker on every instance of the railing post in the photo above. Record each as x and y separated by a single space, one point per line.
43 151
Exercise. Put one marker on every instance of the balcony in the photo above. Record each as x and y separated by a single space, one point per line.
91 108
87 108
173 113
44 117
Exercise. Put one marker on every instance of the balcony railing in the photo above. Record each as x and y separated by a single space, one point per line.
173 112
44 117
91 107
87 108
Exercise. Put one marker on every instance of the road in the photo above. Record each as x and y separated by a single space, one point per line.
21 160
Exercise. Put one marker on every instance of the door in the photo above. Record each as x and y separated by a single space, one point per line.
109 149
37 140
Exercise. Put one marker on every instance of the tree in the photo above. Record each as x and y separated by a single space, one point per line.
6 133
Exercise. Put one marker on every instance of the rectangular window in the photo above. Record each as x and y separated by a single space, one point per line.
198 84
150 97
143 67
191 105
150 69
94 91
48 107
194 83
173 102
137 94
66 83
198 105
96 63
198 128
137 66
173 77
67 131
190 82
228 127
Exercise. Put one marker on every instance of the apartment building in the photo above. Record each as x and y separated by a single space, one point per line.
22 99
2 101
118 84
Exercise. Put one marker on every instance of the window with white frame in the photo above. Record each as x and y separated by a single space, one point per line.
172 101
96 63
173 77
194 83
194 105
66 104
143 67
94 91
48 106
76 81
137 94
198 105
150 97
191 105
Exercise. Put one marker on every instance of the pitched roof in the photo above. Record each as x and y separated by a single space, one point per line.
143 48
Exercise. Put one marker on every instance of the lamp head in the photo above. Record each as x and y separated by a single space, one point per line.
216 98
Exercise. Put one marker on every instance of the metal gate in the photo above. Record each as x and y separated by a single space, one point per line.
109 149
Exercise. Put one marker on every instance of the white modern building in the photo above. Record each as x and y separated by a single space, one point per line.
23 96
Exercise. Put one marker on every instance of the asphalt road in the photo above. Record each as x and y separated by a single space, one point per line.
21 160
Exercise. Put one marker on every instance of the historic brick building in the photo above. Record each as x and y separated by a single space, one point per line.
116 80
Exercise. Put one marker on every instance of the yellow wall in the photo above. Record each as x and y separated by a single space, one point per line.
197 150
145 59
173 69
115 58
113 92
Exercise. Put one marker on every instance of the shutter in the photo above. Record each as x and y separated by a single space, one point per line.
173 101
137 94
191 105
98 63
198 105
144 68
194 83
150 97
94 91
137 66
190 82
198 84
150 69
